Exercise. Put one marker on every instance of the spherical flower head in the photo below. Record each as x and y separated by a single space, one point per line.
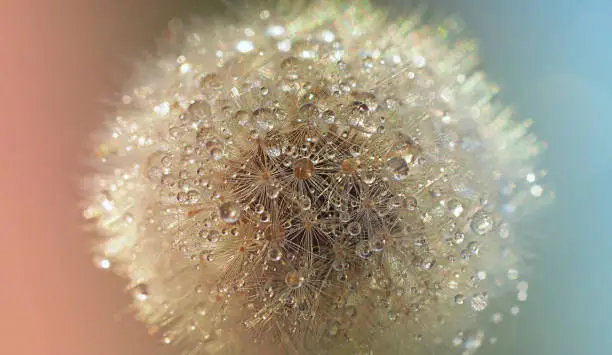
322 182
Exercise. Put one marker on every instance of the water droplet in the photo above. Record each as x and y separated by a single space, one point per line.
339 264
329 117
342 277
308 112
303 168
215 152
275 253
459 238
348 166
289 63
229 212
242 117
344 217
290 66
212 236
354 229
358 118
197 111
264 119
474 247
363 250
193 196
280 114
333 329
482 223
368 177
245 46
459 298
398 168
304 202
141 292
210 81
274 31
455 207
428 263
368 63
327 36
104 264
368 100
294 280
378 244
284 45
265 217
273 191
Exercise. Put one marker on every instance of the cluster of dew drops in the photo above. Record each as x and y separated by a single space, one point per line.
317 193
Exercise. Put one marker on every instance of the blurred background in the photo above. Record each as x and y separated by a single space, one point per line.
58 59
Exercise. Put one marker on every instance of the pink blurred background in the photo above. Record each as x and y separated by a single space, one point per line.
58 59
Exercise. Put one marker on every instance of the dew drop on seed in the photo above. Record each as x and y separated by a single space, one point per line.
368 177
215 153
339 264
455 207
197 111
333 329
264 119
294 280
363 250
459 299
307 112
303 168
273 191
397 168
242 117
275 253
212 236
482 223
304 202
229 212
141 292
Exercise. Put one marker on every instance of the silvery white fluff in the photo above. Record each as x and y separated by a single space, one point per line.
316 181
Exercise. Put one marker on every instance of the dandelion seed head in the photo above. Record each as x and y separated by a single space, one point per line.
327 182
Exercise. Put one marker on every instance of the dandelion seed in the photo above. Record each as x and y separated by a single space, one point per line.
316 188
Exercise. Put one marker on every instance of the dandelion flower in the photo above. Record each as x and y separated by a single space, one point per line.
321 181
